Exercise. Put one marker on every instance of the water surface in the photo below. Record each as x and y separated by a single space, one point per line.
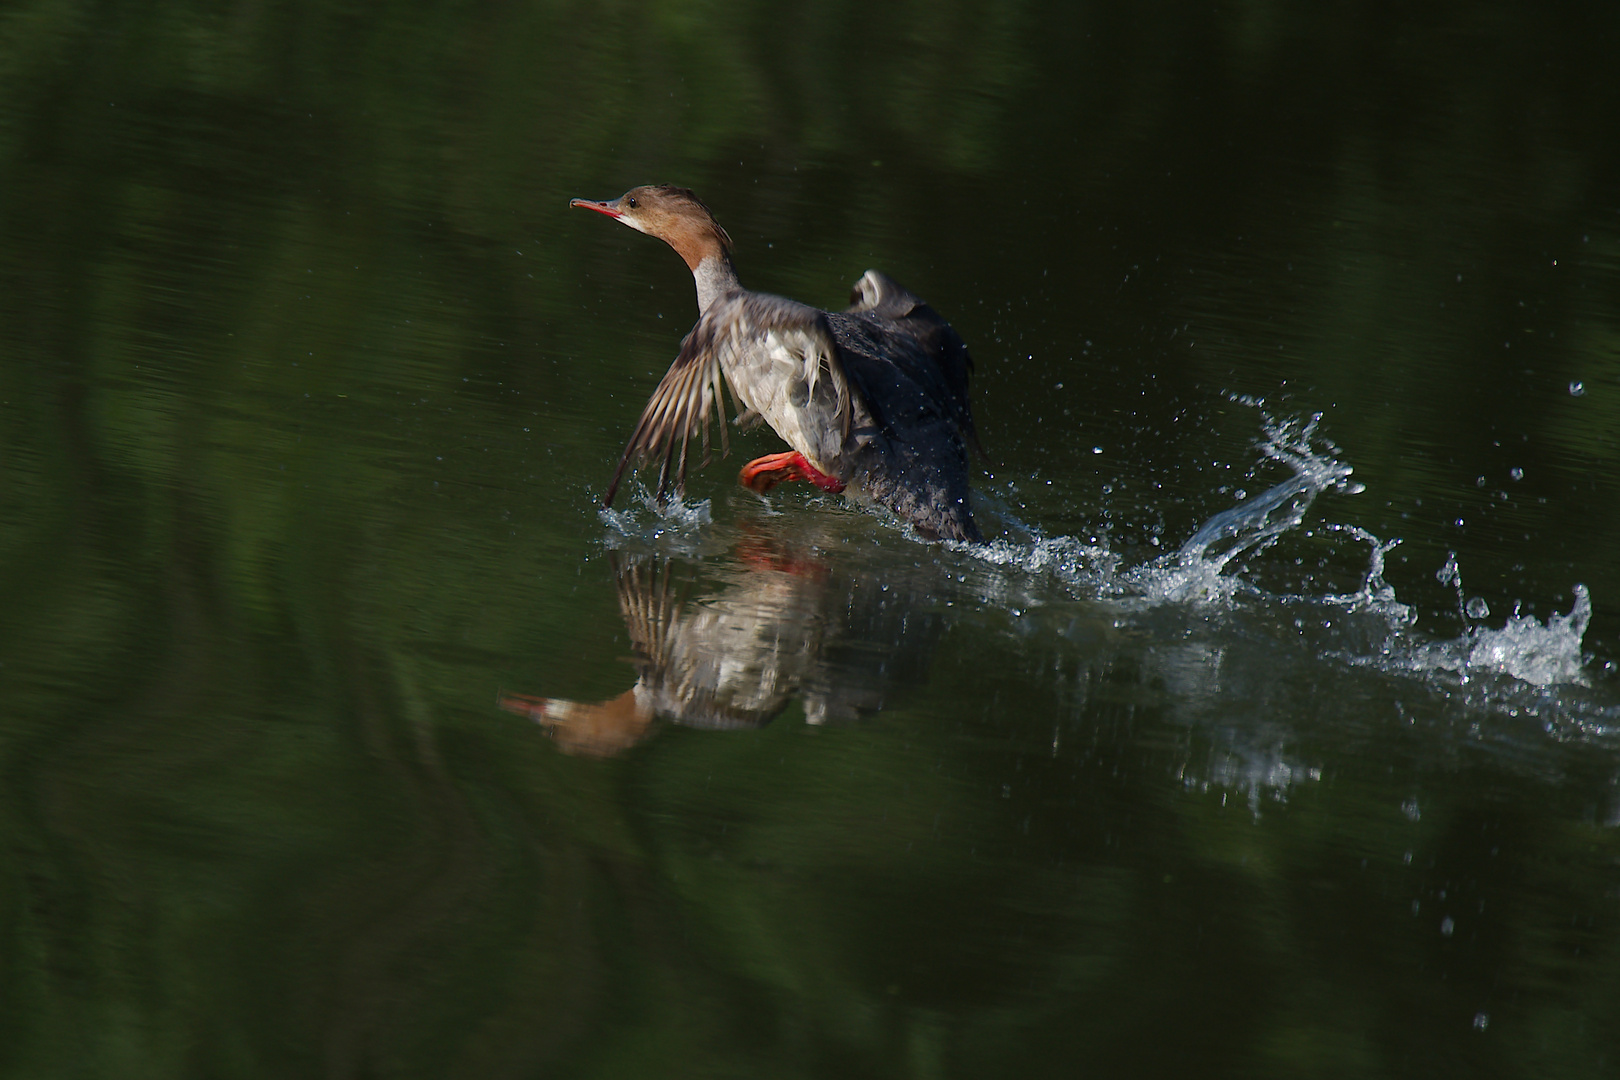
1274 732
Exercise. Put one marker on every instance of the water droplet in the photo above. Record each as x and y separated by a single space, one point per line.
1516 473
1482 1021
1447 927
1096 449
1577 388
1477 608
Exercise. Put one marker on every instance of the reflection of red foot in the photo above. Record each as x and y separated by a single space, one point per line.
761 552
764 473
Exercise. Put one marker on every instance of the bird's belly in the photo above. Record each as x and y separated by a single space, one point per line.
799 400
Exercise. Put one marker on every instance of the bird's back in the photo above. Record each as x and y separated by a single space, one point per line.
906 445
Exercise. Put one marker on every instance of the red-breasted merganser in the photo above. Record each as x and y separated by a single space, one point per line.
874 398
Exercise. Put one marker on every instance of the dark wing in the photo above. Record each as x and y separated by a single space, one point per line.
682 401
955 364
945 374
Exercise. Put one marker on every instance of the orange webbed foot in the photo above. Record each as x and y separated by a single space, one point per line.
762 474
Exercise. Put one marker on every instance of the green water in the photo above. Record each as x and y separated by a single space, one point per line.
310 383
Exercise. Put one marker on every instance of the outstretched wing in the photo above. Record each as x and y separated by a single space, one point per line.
685 395
783 365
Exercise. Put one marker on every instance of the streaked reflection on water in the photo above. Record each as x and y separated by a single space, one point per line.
778 628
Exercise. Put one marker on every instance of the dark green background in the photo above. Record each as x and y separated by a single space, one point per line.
309 382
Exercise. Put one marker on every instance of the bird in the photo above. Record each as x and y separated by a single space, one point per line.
873 400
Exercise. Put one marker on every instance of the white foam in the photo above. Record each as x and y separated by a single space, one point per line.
1538 653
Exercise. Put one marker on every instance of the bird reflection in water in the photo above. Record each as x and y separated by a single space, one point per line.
781 625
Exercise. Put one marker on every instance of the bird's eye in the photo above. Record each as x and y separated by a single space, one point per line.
632 202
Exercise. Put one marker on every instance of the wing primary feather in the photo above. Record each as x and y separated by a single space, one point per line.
697 382
701 414
635 448
682 432
618 474
646 438
664 442
663 477
662 421
720 411
680 475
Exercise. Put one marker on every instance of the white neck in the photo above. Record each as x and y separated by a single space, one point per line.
715 277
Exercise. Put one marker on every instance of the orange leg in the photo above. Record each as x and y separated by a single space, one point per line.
764 473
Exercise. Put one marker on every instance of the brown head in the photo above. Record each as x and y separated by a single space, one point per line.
674 215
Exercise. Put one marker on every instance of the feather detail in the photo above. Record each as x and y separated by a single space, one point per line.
682 401
782 364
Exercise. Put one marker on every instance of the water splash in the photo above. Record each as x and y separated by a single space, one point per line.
1251 525
1533 652
1375 595
1197 571
1367 627
647 520
1065 558
1525 667
1540 654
